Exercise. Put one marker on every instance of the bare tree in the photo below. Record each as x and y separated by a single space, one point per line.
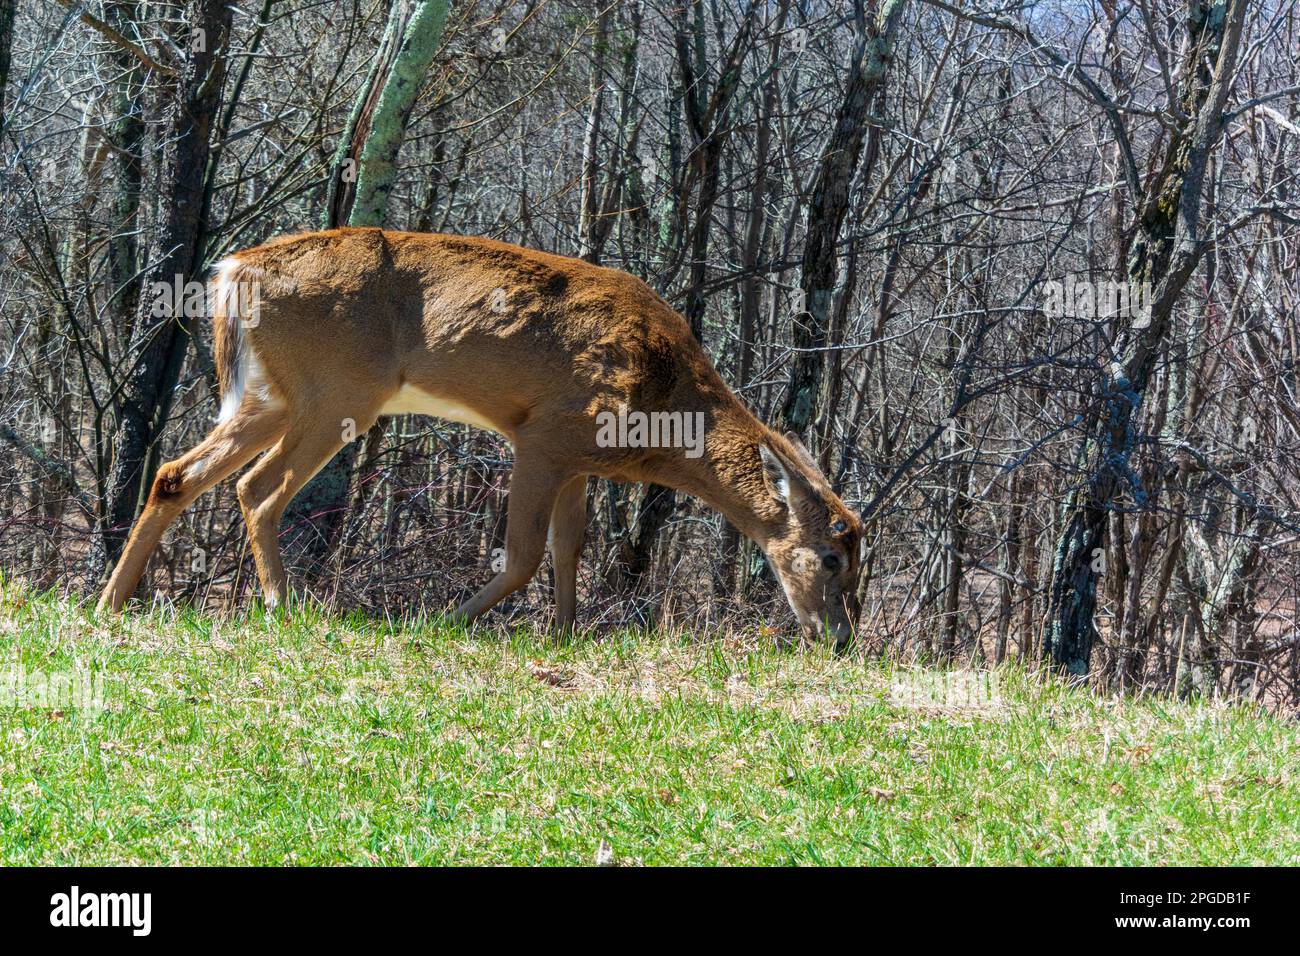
1169 243
160 336
367 157
888 223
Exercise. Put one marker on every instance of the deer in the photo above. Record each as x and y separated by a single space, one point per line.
346 325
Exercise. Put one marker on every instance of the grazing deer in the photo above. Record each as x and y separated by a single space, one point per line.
350 324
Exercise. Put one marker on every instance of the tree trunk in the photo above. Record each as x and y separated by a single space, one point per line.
827 207
593 227
708 118
1010 563
368 158
159 341
128 172
6 42
1165 253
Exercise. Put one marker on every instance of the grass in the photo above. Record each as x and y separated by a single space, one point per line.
319 740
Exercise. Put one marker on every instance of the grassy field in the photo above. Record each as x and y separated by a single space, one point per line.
317 740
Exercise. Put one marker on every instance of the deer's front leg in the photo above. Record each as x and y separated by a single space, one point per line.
534 487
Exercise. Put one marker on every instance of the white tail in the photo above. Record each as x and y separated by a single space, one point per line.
232 355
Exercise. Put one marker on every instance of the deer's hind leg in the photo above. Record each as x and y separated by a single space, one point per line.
228 447
266 490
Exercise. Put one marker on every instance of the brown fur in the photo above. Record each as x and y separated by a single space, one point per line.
534 344
168 482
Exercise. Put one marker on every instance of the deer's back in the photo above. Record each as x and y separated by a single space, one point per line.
512 333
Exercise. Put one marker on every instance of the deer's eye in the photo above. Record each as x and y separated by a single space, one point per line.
839 527
831 562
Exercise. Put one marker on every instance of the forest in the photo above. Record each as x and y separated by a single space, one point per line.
1024 277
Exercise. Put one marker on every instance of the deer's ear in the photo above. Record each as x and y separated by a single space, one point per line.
785 482
775 474
800 448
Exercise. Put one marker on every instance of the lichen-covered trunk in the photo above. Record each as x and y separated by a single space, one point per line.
377 170
366 169
1166 250
1220 567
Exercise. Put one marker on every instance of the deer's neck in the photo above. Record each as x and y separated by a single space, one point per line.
729 475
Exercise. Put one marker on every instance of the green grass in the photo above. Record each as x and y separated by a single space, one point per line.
320 740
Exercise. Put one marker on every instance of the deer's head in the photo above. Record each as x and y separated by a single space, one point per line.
815 548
